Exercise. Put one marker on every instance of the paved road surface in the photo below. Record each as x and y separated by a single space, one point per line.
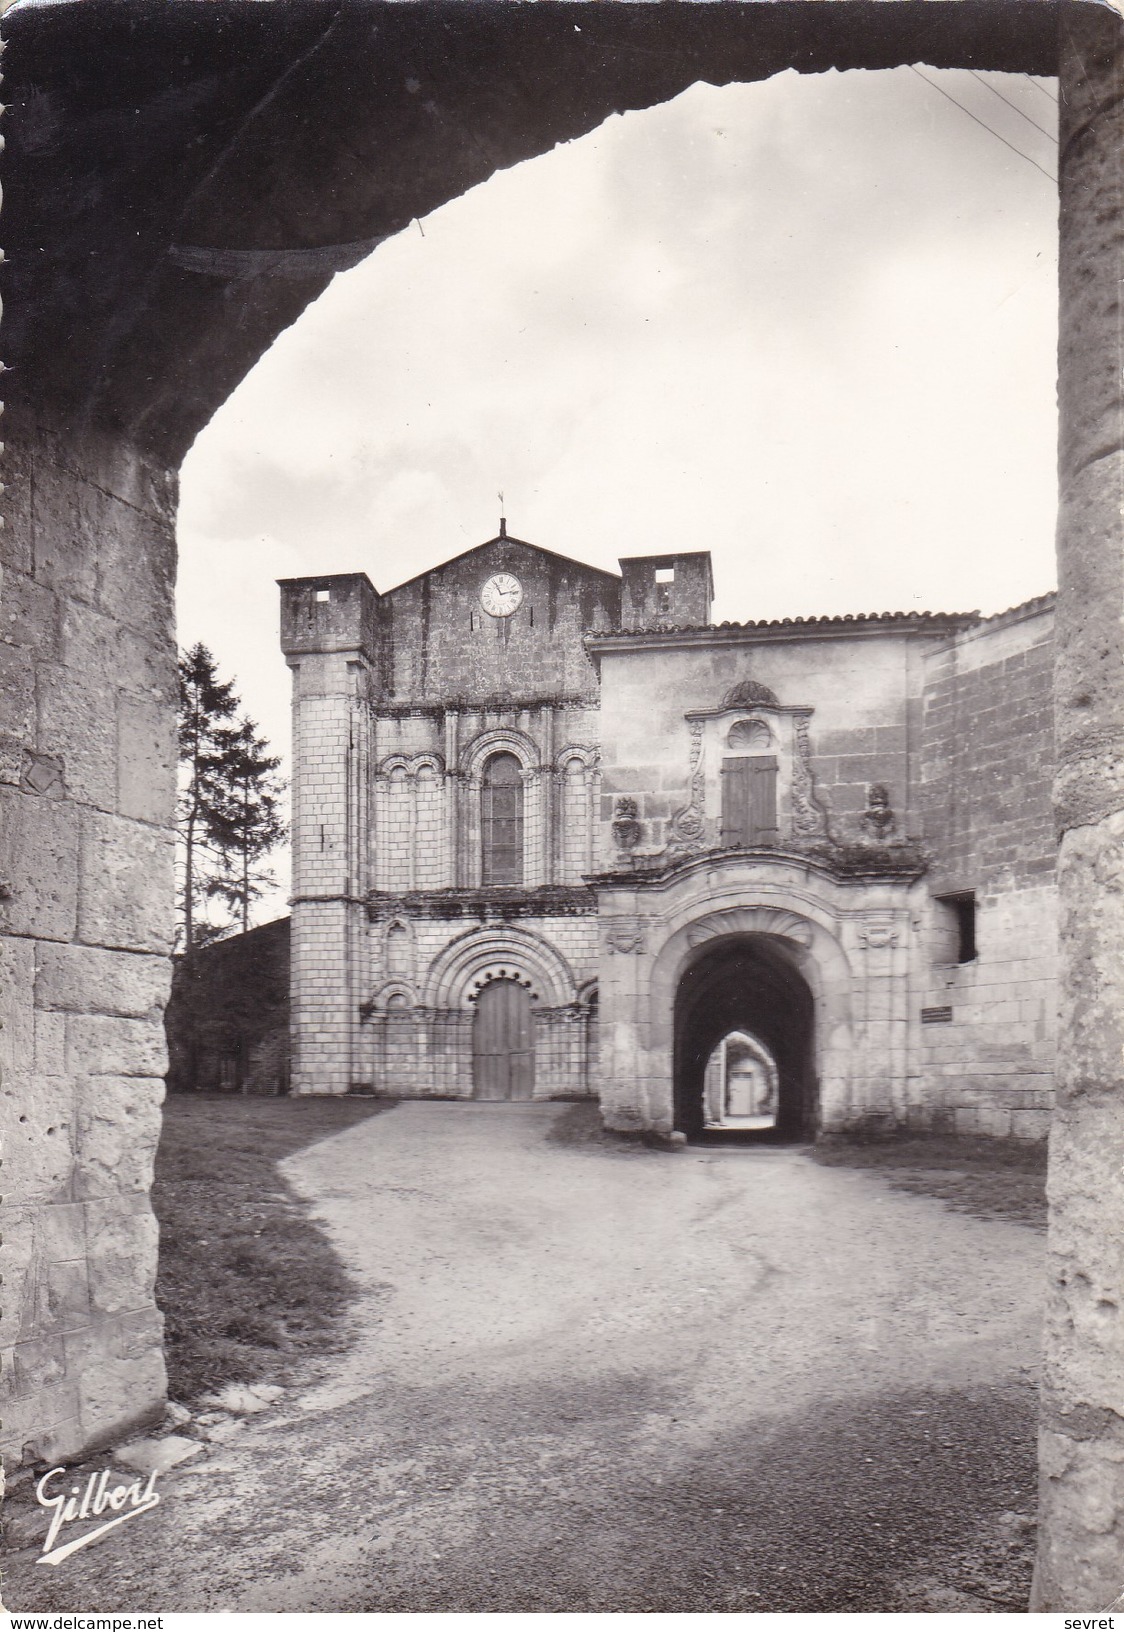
600 1378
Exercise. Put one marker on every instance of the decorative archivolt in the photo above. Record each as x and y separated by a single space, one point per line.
751 921
501 969
500 740
482 953
391 995
410 765
577 754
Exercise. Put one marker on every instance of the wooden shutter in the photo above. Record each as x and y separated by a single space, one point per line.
749 799
762 798
735 801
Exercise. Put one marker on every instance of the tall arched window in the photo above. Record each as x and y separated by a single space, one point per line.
501 820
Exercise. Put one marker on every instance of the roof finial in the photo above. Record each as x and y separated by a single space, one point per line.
503 519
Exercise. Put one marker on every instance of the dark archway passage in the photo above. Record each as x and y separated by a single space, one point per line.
746 983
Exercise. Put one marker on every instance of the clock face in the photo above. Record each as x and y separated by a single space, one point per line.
502 595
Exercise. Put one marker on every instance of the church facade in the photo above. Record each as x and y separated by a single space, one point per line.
555 834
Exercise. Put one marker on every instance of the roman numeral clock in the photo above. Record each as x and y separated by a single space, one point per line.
502 595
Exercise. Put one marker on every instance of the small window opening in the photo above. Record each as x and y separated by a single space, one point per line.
956 929
665 575
323 594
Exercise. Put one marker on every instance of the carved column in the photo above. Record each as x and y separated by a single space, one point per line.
452 822
1081 1541
412 818
550 825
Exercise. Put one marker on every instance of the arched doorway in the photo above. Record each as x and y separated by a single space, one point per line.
503 1043
740 1086
744 993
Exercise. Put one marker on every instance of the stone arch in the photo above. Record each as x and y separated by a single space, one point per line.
499 740
427 762
393 762
575 753
474 757
752 986
483 953
805 936
409 765
384 997
578 780
124 356
741 1043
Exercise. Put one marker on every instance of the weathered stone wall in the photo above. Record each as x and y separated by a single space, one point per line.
863 683
987 768
438 644
87 766
1081 1445
330 802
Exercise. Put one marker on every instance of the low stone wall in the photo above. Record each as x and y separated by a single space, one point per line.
228 1015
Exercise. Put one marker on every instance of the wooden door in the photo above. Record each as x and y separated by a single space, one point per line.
503 1047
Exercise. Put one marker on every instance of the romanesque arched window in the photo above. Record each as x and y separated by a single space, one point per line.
501 820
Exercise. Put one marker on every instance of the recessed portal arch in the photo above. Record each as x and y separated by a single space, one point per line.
746 985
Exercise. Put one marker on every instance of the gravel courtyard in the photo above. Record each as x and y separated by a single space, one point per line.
589 1377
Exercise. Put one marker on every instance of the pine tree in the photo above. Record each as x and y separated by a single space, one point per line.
206 702
252 825
228 816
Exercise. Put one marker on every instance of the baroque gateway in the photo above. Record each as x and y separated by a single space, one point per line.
557 834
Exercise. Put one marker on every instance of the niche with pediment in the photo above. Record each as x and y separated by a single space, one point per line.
751 777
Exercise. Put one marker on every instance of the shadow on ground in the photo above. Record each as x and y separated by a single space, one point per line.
248 1283
989 1178
917 1501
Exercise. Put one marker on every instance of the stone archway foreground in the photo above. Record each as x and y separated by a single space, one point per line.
175 195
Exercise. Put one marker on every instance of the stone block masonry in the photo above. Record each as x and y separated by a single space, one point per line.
987 764
87 764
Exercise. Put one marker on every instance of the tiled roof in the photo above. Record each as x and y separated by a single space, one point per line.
1025 609
842 620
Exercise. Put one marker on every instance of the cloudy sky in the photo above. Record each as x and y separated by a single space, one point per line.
808 325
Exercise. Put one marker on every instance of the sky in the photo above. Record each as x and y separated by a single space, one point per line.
807 324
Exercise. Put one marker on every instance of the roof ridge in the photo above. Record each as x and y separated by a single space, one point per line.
503 538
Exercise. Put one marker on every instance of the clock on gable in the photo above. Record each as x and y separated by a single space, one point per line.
501 595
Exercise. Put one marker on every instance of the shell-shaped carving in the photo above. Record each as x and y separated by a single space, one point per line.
749 735
751 921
